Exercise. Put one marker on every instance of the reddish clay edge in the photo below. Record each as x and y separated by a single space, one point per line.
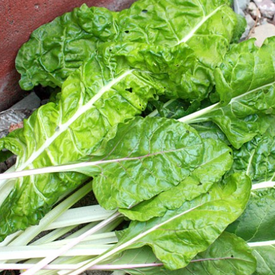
18 20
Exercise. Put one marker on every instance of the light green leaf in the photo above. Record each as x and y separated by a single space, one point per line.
257 158
99 95
156 154
196 228
247 92
197 224
56 49
248 69
216 161
227 255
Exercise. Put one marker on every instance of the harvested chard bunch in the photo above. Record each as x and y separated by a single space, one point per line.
179 186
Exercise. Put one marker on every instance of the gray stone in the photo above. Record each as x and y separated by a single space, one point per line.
11 116
266 7
250 24
253 10
30 102
240 6
262 32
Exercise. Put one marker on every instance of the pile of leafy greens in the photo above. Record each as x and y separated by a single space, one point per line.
171 118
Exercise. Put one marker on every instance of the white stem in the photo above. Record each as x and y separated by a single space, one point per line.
192 117
50 217
68 246
76 166
266 243
75 266
123 246
266 184
80 215
29 252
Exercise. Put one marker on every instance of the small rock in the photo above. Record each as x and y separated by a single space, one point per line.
16 126
240 6
262 32
253 10
250 24
11 116
267 8
30 102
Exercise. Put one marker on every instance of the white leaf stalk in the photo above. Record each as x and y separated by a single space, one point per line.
70 245
265 243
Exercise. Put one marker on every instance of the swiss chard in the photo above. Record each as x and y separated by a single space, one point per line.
58 48
105 91
195 227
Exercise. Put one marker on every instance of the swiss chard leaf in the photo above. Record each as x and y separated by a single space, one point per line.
155 155
257 158
56 49
244 110
194 222
227 255
216 161
104 92
265 259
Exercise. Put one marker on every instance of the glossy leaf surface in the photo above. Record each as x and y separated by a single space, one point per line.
227 255
56 49
257 158
197 223
244 109
102 93
216 161
154 155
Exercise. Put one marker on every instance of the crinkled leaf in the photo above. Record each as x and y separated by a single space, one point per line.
257 158
216 161
227 255
238 129
155 155
197 224
56 49
245 83
248 69
102 93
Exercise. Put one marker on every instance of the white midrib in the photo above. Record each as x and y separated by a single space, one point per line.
74 167
192 117
265 184
130 242
265 243
193 31
63 127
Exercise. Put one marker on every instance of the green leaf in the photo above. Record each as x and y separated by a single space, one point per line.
155 155
255 224
264 255
227 255
99 95
58 48
242 73
197 223
257 158
247 92
216 161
